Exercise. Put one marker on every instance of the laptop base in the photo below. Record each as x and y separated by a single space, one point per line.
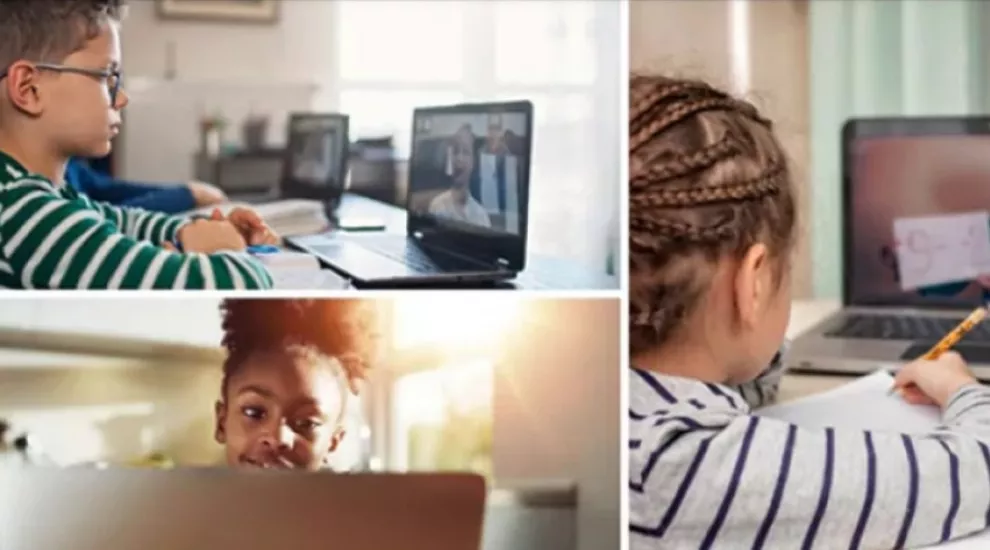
815 352
368 268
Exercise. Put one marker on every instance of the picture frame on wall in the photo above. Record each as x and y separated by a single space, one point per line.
231 11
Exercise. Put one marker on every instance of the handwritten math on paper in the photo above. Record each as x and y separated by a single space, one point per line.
935 250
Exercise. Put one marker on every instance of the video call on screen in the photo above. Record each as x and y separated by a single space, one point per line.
468 168
910 177
315 158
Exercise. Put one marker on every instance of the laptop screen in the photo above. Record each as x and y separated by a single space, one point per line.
469 175
891 177
315 157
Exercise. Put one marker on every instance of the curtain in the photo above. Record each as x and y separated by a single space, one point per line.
881 58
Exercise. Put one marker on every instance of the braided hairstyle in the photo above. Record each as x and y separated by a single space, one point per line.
342 329
707 179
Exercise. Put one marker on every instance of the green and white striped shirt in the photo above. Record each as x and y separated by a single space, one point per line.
56 238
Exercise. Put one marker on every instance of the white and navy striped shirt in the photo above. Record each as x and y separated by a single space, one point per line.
705 473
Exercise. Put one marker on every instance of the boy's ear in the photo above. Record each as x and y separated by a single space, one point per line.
22 87
220 429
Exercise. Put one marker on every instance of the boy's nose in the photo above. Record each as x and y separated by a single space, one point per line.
122 100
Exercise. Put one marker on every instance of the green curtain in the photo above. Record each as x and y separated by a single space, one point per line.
883 58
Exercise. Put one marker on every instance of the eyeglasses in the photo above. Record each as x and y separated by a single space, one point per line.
112 77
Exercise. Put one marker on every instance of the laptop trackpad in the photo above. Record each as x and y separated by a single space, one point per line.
970 352
360 262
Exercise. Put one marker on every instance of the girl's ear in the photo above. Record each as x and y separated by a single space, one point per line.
336 438
220 428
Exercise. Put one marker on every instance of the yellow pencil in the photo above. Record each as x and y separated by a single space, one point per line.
953 337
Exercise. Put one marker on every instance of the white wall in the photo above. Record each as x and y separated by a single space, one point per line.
297 49
754 47
239 69
557 410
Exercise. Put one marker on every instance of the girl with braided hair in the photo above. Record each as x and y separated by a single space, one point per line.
290 368
712 223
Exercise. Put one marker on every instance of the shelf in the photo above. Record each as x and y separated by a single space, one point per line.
40 348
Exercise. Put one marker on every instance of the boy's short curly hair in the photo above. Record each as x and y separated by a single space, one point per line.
343 329
50 30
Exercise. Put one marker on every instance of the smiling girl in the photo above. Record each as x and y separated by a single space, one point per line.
291 366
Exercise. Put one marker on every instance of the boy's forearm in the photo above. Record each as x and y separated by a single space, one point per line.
49 242
143 225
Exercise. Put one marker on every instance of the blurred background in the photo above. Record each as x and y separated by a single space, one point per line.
240 68
811 66
524 391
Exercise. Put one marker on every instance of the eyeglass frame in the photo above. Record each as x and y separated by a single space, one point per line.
95 73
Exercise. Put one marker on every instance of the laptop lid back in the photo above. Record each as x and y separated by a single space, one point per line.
896 168
316 152
469 180
85 509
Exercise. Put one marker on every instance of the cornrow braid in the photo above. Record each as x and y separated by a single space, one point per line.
707 178
647 174
763 185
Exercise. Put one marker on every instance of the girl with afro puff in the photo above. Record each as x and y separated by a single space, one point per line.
290 367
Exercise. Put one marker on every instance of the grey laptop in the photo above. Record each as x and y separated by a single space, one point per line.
467 203
900 168
132 509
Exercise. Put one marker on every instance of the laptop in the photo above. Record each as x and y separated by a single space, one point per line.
131 509
313 172
894 169
467 203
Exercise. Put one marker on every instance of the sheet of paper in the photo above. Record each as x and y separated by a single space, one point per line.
308 279
979 541
861 404
935 250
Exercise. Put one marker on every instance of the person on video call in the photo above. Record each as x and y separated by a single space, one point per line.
169 198
313 163
498 171
456 203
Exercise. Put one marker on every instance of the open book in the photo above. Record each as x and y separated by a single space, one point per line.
865 404
288 218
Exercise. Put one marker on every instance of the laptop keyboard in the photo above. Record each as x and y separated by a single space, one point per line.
904 327
398 250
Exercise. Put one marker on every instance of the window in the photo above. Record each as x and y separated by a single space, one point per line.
439 391
561 54
442 419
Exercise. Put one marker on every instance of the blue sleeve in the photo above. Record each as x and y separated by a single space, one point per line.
170 199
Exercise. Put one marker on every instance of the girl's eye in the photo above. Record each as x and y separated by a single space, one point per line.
307 424
252 412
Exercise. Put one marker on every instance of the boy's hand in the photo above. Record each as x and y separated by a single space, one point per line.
251 226
923 382
208 236
205 194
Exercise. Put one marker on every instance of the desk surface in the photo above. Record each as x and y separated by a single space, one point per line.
542 272
804 315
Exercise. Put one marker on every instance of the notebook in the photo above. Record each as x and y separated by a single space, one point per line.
300 271
865 404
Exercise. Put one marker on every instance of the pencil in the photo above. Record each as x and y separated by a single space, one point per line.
953 337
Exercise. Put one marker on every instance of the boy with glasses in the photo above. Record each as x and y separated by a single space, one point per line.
61 97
